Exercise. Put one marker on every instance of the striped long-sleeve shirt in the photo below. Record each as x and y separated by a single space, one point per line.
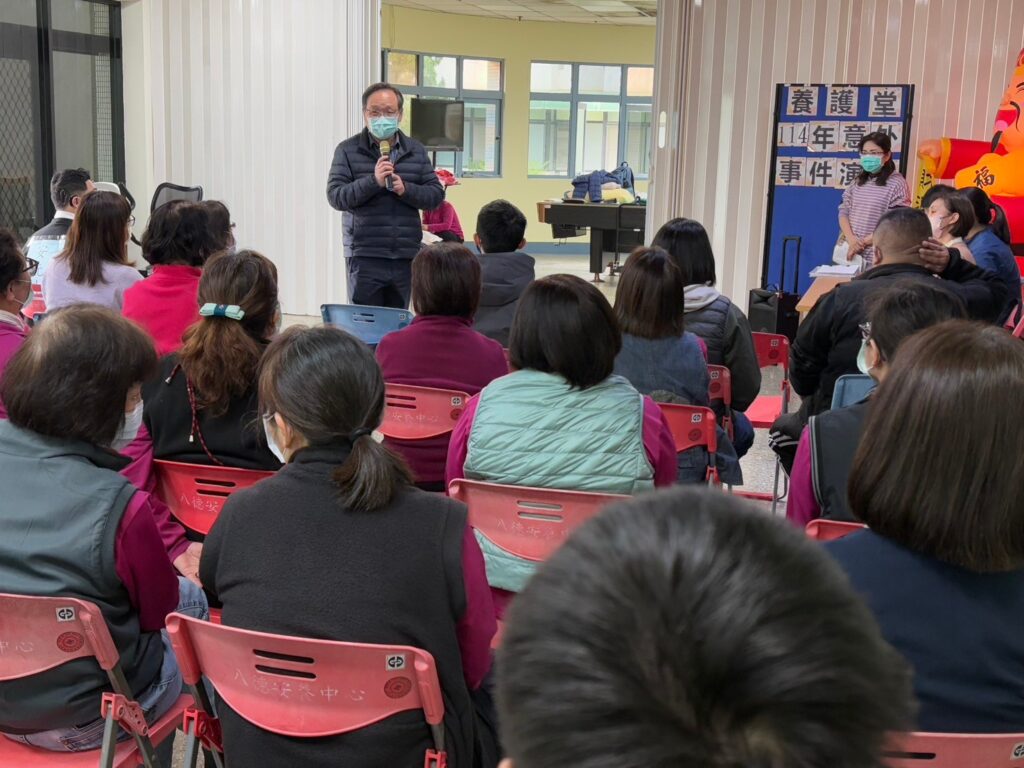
864 205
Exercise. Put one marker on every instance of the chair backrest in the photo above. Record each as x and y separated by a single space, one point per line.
772 349
1018 330
418 413
720 384
954 750
851 388
830 530
167 191
307 688
196 493
368 324
40 633
530 523
694 427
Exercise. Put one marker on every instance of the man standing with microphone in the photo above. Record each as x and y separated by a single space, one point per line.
381 179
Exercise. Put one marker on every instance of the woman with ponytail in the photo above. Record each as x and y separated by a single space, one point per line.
339 545
989 241
202 409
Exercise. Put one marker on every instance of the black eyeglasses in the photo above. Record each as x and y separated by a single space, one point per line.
32 266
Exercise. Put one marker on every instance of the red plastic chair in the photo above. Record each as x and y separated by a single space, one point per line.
196 493
694 427
299 687
418 413
954 750
530 523
830 530
771 349
720 389
40 633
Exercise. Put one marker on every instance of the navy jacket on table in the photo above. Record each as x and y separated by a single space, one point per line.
960 631
378 223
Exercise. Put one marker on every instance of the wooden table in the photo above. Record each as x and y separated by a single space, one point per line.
819 288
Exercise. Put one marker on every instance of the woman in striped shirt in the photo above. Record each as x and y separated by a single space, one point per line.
878 188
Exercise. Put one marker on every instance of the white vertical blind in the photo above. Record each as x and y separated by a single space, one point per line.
248 99
718 62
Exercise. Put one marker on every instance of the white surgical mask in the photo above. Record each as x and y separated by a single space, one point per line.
936 225
129 429
862 359
271 442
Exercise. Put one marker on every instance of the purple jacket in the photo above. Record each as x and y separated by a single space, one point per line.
442 352
11 337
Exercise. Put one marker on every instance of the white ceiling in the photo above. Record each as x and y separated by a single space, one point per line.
638 12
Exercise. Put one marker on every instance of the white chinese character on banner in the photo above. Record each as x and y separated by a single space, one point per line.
885 102
802 100
789 171
842 101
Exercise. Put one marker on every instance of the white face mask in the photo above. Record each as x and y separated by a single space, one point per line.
271 442
936 225
129 429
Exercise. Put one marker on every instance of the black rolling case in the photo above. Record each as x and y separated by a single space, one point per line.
774 311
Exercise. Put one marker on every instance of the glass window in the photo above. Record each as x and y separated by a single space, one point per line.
638 138
597 136
402 68
550 124
80 16
640 82
600 81
445 160
479 153
440 72
481 75
550 78
405 124
23 12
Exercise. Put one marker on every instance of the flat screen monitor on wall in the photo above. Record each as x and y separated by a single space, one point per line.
438 124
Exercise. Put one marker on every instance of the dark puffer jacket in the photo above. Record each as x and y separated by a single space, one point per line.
504 277
380 224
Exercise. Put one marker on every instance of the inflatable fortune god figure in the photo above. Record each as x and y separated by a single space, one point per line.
996 166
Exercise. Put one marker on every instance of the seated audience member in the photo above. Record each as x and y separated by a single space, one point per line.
505 269
939 481
440 348
989 241
829 338
674 630
562 419
714 318
72 526
821 469
222 229
412 573
93 268
659 358
177 242
67 189
443 221
16 275
202 408
952 218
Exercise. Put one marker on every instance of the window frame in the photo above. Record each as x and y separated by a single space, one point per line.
459 93
574 98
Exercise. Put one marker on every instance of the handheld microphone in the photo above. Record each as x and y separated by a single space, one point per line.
385 152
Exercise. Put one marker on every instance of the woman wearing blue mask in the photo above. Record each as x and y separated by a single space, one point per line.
72 526
878 188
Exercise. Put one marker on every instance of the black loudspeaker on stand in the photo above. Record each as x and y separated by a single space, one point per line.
774 311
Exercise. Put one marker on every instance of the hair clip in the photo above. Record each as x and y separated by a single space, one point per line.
233 311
